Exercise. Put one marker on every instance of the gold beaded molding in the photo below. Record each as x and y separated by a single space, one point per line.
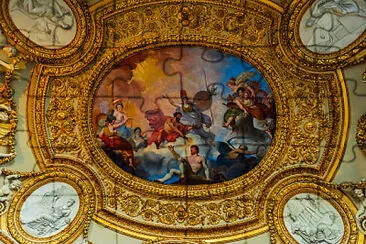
361 133
311 124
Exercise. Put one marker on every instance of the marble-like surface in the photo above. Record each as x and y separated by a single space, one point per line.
353 167
48 23
312 219
49 209
330 25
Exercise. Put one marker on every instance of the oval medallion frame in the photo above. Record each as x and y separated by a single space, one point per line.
353 53
53 56
73 229
291 187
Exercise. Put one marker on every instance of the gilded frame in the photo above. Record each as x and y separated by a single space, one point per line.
171 211
79 224
292 186
7 99
6 239
45 55
361 133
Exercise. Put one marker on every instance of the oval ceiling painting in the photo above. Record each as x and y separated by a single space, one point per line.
48 23
184 115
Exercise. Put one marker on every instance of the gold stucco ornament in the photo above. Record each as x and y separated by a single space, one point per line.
75 136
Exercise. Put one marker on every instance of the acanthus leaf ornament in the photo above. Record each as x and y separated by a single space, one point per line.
147 209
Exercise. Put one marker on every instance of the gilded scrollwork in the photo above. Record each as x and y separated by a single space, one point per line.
361 133
190 19
310 121
10 63
189 214
61 116
77 210
311 113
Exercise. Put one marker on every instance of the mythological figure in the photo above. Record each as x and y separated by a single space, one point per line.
192 116
112 141
312 220
48 223
331 21
47 16
121 120
190 168
171 130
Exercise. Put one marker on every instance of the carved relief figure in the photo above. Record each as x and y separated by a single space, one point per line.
48 223
7 59
311 219
8 56
332 24
45 19
49 213
5 127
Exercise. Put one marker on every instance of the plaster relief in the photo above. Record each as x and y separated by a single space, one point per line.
49 209
312 219
48 23
329 26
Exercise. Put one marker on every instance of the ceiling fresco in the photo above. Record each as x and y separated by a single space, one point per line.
201 121
220 120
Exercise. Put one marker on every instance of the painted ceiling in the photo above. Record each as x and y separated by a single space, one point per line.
182 121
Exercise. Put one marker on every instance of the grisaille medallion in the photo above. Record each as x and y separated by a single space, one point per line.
49 209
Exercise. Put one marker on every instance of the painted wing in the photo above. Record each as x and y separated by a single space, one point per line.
244 76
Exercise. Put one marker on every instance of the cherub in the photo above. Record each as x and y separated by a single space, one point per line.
241 81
